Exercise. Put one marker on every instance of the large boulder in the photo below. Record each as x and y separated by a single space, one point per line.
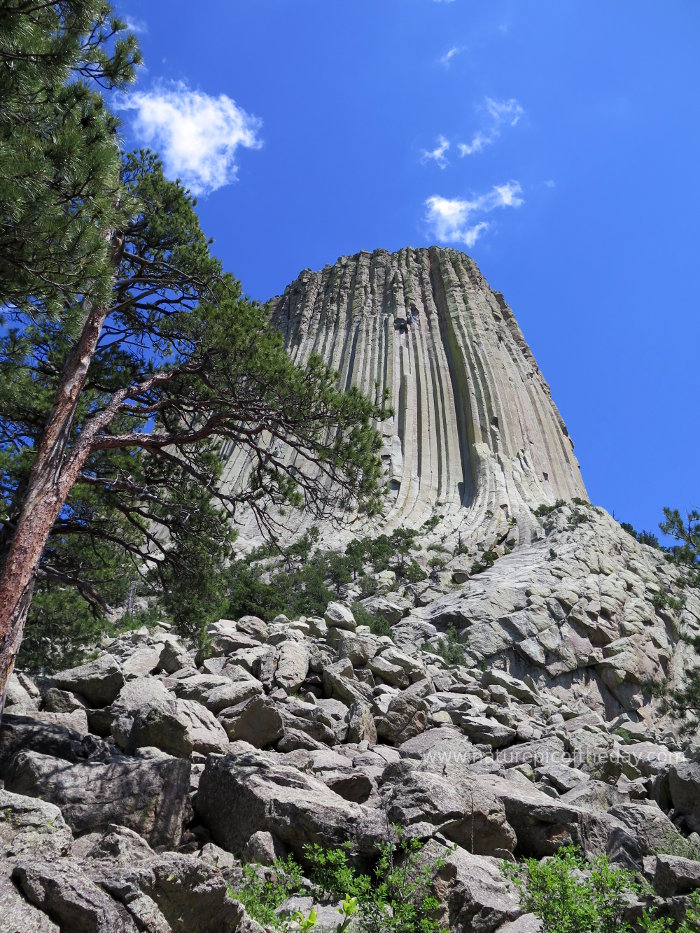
675 875
99 681
185 893
471 890
542 824
684 788
22 733
292 665
243 793
146 794
466 812
31 826
16 915
64 892
256 721
338 616
405 717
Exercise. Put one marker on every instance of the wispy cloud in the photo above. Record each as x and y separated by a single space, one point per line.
502 113
437 154
196 134
450 54
457 220
134 24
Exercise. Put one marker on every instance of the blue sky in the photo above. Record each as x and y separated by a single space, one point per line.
558 143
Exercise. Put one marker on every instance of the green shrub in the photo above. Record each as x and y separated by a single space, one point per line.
261 896
395 898
545 509
488 559
376 624
451 648
569 895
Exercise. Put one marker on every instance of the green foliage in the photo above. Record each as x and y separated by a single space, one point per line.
376 624
687 532
569 895
487 559
451 648
644 537
542 510
263 891
59 160
682 702
396 898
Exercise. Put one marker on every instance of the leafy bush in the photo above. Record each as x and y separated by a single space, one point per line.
569 895
376 624
488 559
545 509
451 648
264 891
396 898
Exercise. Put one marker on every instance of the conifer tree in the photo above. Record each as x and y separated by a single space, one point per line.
123 371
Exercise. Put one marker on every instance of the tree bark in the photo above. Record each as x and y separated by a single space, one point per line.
54 471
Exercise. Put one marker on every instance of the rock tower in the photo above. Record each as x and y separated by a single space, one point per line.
475 438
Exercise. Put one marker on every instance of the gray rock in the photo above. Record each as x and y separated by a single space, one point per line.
263 848
99 681
20 733
684 788
204 732
61 701
189 894
174 656
361 727
292 665
675 875
17 698
542 825
466 812
471 891
146 714
257 721
241 794
485 730
146 795
16 915
338 616
406 716
32 827
76 903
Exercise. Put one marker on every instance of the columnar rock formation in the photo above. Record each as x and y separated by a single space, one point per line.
475 437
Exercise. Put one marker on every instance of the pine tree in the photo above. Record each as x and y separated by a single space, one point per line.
113 412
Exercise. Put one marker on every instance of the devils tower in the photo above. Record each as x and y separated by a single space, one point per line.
475 438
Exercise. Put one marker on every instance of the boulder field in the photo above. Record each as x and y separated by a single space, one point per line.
135 785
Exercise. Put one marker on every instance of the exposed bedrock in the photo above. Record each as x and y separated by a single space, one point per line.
475 437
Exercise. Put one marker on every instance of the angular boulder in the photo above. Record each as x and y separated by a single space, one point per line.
99 681
146 794
242 794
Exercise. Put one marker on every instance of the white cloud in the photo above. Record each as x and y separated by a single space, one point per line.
437 155
457 220
450 54
196 134
550 183
134 24
502 112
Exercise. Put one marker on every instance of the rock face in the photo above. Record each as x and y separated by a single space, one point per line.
475 437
